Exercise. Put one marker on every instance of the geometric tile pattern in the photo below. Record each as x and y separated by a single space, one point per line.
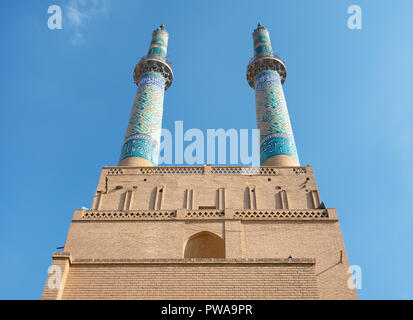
276 135
159 43
145 124
262 42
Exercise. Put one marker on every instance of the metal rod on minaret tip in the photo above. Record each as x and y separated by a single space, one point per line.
266 73
153 75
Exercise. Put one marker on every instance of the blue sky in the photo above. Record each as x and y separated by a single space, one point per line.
66 97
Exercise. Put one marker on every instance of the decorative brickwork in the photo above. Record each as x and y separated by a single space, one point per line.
205 214
172 170
285 214
120 243
94 215
126 215
115 171
215 170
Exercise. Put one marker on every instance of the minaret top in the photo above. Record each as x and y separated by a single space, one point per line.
159 43
160 29
262 42
156 59
264 57
259 27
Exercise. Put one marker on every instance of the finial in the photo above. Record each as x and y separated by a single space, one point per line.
259 27
161 28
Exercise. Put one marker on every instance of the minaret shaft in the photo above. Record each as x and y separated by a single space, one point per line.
153 76
141 144
266 73
277 144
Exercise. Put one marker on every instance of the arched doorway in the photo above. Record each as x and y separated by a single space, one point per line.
205 245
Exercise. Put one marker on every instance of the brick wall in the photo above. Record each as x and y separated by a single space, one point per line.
184 280
270 215
133 190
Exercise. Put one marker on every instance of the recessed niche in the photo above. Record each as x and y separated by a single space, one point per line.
207 207
204 245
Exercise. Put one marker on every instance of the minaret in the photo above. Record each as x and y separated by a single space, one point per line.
153 75
204 232
266 73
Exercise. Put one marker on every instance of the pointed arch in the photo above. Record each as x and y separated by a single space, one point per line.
205 244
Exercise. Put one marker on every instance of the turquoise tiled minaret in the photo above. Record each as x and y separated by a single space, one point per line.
153 75
266 73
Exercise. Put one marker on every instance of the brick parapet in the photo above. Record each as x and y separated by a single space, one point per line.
327 215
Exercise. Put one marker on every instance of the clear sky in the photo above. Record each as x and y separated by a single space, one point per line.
66 97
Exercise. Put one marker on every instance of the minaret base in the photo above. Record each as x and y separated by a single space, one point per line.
135 162
281 161
145 238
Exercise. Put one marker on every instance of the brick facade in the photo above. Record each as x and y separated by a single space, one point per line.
192 280
280 242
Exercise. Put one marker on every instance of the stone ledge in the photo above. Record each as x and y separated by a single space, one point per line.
61 255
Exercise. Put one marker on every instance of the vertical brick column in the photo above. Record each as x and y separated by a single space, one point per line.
56 279
233 240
